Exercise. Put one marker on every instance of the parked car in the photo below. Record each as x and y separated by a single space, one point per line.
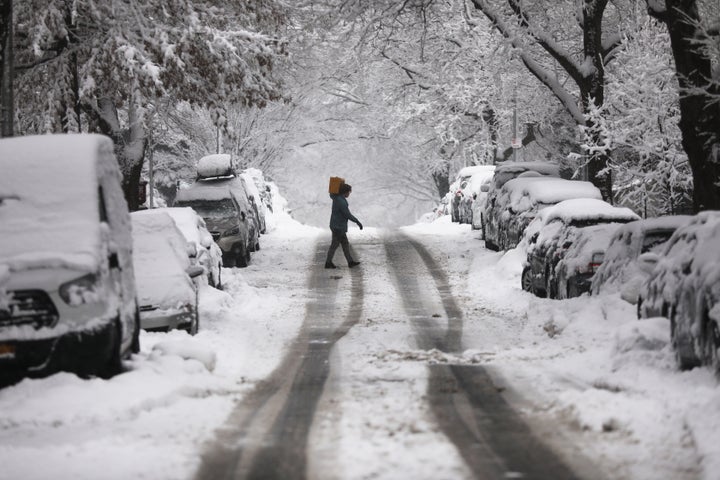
581 254
204 251
473 194
684 286
553 232
67 287
519 200
164 273
622 270
505 172
480 193
221 200
255 198
459 190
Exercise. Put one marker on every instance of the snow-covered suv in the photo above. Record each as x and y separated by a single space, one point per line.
67 288
684 286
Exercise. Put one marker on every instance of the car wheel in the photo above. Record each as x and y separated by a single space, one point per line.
218 283
684 351
490 245
526 280
257 245
113 365
194 326
135 346
240 258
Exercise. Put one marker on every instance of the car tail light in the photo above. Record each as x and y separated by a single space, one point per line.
596 261
80 290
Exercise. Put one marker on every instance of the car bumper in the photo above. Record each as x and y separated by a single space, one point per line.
581 282
166 319
84 352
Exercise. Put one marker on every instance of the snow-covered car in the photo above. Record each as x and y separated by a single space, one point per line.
623 270
167 294
519 200
505 172
223 203
459 191
684 287
67 288
553 232
204 251
474 202
255 198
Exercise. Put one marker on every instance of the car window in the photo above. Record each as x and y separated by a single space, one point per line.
223 208
654 240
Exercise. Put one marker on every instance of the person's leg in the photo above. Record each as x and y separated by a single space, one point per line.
346 248
334 244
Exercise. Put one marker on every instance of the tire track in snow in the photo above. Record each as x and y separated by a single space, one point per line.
265 437
491 437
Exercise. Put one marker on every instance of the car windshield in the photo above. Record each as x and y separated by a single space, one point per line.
588 222
211 208
652 240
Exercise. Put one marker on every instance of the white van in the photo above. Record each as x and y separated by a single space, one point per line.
67 288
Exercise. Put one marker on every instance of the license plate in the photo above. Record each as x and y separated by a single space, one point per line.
7 350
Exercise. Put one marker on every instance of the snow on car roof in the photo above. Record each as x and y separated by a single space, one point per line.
49 200
473 169
548 190
543 168
586 209
214 190
215 165
185 218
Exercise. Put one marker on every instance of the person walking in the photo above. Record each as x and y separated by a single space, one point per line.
339 225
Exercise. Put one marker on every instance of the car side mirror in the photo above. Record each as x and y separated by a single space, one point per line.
485 188
206 241
647 261
195 271
191 250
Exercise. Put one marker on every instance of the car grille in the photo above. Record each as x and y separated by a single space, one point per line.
29 307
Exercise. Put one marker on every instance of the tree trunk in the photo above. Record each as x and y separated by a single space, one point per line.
699 116
130 145
7 101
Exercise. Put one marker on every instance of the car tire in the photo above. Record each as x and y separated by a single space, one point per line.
240 257
683 346
218 283
526 280
490 245
194 326
113 364
135 345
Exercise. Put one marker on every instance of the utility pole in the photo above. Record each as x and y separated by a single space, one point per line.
151 176
515 140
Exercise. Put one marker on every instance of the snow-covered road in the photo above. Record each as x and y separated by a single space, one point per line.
426 362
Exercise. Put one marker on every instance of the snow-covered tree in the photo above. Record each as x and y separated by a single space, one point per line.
100 66
694 29
566 46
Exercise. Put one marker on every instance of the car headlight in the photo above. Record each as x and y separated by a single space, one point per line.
80 290
231 232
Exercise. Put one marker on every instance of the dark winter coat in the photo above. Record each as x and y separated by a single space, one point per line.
340 213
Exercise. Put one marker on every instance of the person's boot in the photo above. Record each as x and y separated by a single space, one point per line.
330 265
353 264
